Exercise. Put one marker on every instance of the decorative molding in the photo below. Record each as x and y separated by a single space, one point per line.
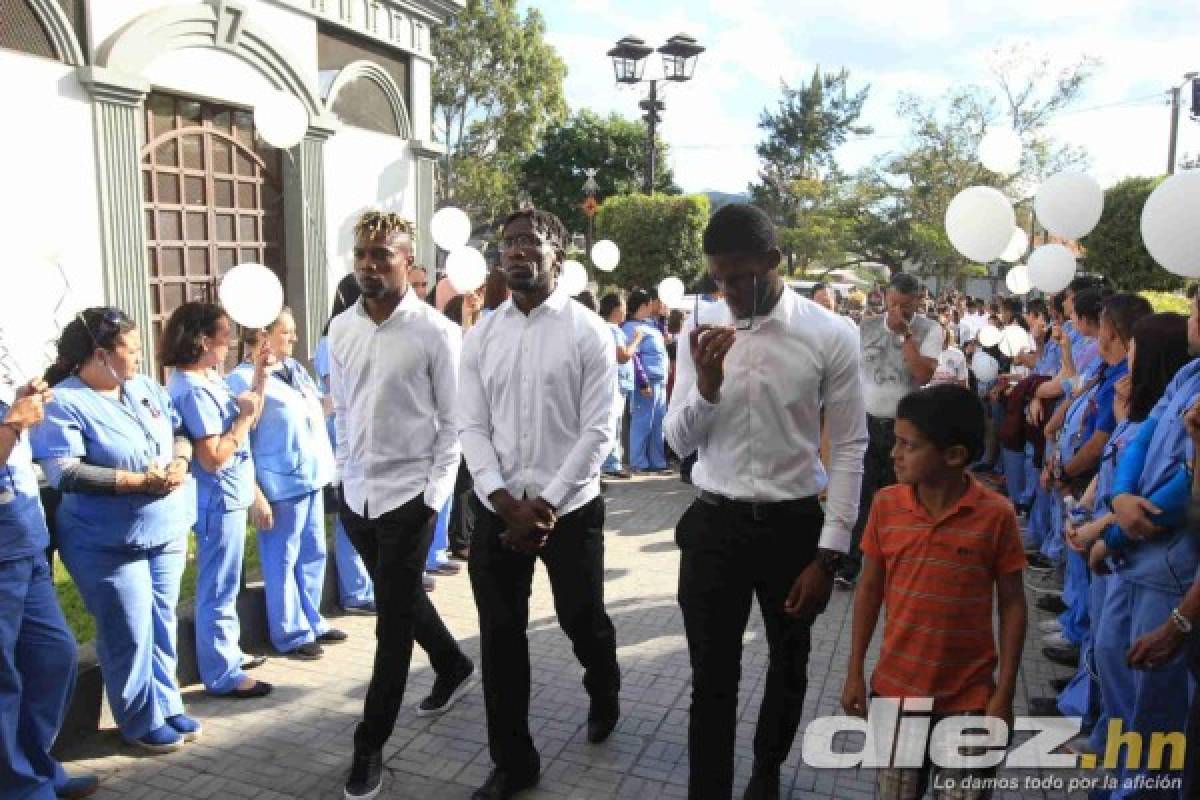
380 77
308 274
426 250
224 26
400 24
425 149
58 29
111 86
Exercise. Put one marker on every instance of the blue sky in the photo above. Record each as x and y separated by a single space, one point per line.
921 46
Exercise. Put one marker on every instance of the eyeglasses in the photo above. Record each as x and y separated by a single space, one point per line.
107 327
738 324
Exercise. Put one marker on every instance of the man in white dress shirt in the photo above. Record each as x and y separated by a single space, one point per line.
749 392
535 420
393 377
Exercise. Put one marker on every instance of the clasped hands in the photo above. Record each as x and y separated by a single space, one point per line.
157 480
529 521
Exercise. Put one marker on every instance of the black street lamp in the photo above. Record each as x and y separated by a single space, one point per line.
679 65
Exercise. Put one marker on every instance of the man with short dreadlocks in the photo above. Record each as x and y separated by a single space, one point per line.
394 382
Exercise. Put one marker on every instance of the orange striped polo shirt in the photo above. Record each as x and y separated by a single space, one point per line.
938 639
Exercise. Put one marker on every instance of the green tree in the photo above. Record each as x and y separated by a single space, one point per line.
497 87
1115 248
659 235
614 146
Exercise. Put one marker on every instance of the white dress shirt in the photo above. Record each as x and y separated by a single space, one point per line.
970 326
761 440
394 388
535 402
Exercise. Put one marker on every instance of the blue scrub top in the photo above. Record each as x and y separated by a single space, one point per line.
652 350
1105 419
625 377
1050 361
208 408
131 434
321 365
292 456
23 530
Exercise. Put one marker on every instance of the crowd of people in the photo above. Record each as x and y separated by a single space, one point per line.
870 442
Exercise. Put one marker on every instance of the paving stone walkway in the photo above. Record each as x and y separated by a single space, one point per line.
297 742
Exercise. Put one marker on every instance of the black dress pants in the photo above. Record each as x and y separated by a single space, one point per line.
727 559
393 547
878 473
501 579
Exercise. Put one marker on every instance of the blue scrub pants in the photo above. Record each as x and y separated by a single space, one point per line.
1038 529
1053 545
646 444
1013 464
613 462
132 594
37 675
355 589
1147 701
1033 477
437 555
293 567
220 546
1075 623
1081 697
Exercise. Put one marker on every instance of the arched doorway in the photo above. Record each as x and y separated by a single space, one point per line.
212 195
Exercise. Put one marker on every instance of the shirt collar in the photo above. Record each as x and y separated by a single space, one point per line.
410 303
556 302
970 499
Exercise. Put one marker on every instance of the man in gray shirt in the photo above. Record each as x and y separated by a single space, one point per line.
900 352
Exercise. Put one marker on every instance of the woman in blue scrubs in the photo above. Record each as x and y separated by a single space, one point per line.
195 341
109 444
647 447
37 651
293 463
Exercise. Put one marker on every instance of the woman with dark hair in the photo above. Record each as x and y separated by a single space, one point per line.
293 463
356 592
195 341
647 447
111 444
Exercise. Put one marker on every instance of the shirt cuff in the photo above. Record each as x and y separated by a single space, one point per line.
835 537
436 496
556 492
488 482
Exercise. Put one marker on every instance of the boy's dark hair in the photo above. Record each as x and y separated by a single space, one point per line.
1059 301
1162 348
544 222
1088 304
1082 283
946 415
739 228
608 304
904 283
181 342
637 299
1123 312
1037 307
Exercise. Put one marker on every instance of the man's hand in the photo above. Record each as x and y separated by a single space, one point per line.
177 472
1157 647
261 513
546 515
29 405
810 592
527 542
1133 515
1000 706
709 346
854 694
528 522
1096 556
1037 412
896 323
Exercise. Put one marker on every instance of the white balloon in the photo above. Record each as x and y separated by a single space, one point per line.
1069 204
466 269
1017 280
450 227
251 295
1000 151
989 336
1017 246
606 255
574 278
1013 340
979 222
280 119
1051 268
984 366
671 291
1171 224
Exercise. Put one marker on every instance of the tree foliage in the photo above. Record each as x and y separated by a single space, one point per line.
659 235
498 85
1115 248
614 146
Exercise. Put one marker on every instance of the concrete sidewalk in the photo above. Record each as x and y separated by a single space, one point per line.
297 742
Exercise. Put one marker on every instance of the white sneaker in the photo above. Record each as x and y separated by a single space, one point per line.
1050 626
1057 640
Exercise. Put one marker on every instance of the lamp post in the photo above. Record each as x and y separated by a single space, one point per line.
1174 93
629 65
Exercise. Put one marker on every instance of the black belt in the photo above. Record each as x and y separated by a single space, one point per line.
758 511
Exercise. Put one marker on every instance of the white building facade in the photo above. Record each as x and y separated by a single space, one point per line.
131 173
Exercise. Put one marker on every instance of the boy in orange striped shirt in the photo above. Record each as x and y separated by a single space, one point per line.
936 547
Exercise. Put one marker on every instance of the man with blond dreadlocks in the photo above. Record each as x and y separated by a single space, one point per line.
394 380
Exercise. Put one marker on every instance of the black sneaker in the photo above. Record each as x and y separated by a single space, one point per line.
307 652
366 775
447 690
333 636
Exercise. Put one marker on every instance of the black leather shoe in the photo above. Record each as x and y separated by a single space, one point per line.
764 784
1058 684
1067 656
366 775
1044 707
1052 603
602 719
502 784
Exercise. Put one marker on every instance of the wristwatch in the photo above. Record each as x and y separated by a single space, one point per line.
1181 622
831 561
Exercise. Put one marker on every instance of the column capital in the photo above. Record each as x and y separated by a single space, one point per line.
113 86
322 128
